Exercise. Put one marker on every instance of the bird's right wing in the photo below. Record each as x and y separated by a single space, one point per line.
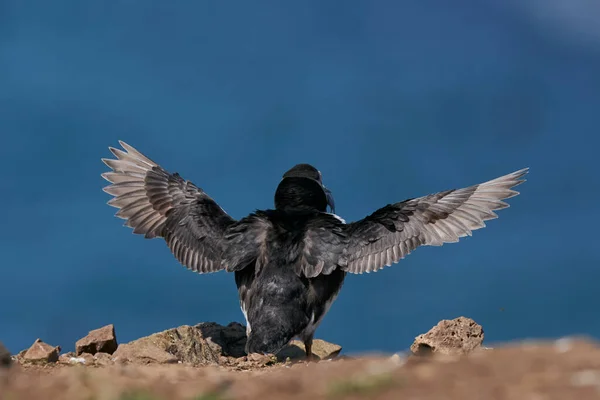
156 203
392 232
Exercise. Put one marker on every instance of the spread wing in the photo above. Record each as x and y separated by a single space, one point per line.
156 203
392 232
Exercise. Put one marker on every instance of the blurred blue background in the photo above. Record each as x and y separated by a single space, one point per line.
388 99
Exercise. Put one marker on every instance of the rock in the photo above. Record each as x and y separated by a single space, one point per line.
88 359
207 343
230 340
103 359
70 358
20 355
5 358
320 348
41 352
261 360
250 362
185 343
99 340
98 359
450 337
143 352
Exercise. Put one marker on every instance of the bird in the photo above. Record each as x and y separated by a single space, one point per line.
290 262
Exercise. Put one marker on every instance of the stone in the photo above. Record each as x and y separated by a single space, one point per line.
103 359
98 359
41 352
99 340
88 359
185 343
208 343
66 357
5 358
450 337
230 340
20 355
320 348
143 352
261 360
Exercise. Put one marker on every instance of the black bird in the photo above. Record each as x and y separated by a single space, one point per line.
290 262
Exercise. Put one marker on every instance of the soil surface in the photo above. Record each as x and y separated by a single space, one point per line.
563 369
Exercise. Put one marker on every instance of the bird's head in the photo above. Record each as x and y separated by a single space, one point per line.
301 188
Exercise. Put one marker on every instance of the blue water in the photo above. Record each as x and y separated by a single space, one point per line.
388 99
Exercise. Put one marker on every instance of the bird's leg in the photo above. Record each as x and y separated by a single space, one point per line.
308 346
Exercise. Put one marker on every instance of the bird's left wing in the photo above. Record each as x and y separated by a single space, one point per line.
156 203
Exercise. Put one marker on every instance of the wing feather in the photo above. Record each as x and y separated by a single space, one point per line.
394 231
156 203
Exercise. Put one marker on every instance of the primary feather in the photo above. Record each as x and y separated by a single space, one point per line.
156 203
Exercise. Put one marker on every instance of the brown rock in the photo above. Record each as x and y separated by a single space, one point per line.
41 352
5 359
66 358
261 360
98 359
185 343
450 337
229 340
20 355
320 348
143 352
88 359
103 359
99 340
207 343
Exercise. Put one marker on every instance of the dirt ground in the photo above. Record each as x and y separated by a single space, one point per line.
564 369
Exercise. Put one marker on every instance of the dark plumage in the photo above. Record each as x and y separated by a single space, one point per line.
290 262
